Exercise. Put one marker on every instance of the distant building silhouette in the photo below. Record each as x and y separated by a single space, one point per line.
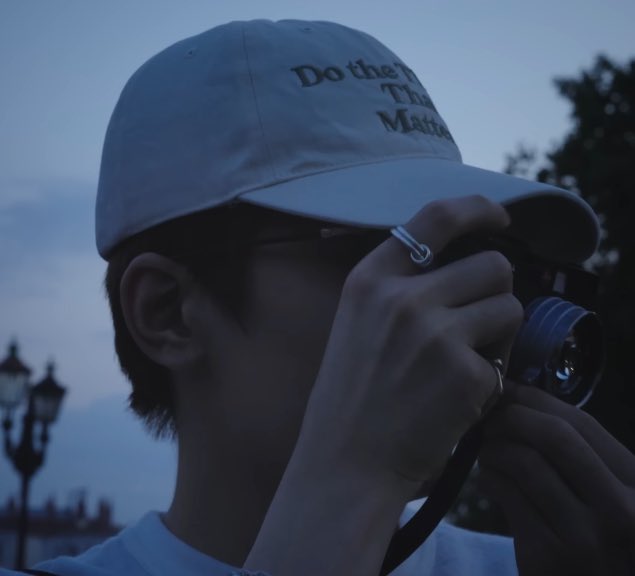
54 531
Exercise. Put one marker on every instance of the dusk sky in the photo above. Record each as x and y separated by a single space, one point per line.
488 66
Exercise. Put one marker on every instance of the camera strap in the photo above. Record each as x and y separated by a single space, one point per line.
441 498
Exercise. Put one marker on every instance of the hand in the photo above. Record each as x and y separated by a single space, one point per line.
403 376
566 486
401 380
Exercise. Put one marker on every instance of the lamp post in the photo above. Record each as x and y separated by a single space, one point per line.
43 402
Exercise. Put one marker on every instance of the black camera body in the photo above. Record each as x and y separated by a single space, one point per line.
560 345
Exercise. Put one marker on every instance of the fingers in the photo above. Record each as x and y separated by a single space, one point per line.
541 487
457 284
470 279
563 509
490 320
436 225
463 335
483 391
617 457
560 444
404 345
524 519
489 326
538 547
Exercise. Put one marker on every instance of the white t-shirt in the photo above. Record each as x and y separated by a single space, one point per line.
148 548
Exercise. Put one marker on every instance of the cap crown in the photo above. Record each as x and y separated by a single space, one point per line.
248 105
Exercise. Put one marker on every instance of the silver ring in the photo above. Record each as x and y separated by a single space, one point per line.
498 365
420 253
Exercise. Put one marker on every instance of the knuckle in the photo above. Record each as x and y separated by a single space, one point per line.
485 202
439 334
360 282
556 428
582 420
399 307
471 384
434 344
512 308
482 204
439 340
405 306
499 267
443 213
455 213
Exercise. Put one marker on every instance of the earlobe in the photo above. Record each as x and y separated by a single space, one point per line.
154 291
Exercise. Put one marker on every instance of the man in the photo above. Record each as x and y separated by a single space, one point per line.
316 369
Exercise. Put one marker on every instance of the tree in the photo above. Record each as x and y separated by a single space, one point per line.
596 159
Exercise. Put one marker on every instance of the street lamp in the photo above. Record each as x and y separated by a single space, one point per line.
44 400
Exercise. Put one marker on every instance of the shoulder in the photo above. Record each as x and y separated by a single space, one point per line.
146 548
474 553
106 559
454 551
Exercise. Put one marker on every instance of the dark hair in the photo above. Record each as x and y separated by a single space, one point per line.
212 246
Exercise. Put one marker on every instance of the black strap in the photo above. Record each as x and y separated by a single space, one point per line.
443 494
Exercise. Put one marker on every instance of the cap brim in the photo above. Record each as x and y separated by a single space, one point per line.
555 223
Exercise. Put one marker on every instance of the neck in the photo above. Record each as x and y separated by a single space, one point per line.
220 501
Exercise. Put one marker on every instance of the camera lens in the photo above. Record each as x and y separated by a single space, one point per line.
569 365
558 348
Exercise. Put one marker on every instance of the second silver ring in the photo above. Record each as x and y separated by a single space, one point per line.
420 253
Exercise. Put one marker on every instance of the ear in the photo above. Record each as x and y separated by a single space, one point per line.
156 297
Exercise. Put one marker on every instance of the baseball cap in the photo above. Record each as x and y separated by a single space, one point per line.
313 119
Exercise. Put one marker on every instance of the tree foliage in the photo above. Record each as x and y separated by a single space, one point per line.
596 159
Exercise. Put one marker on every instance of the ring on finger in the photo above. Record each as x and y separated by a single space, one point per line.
420 253
498 365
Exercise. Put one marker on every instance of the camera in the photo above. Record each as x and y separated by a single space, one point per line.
560 344
559 348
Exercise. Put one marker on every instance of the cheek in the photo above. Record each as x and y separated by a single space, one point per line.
295 309
289 322
289 326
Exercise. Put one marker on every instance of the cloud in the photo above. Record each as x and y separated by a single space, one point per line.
12 193
40 217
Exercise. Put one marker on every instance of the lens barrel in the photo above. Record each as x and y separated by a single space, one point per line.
558 348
